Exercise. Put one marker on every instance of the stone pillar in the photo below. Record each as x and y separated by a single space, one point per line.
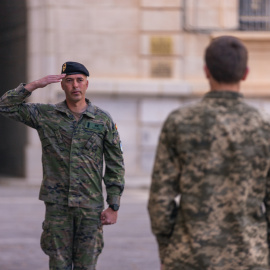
161 42
42 42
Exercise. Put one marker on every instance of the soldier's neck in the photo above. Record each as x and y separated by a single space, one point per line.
217 86
77 107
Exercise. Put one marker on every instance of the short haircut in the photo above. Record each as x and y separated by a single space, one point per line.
226 59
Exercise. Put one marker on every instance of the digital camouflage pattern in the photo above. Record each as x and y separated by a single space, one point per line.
215 154
72 152
58 240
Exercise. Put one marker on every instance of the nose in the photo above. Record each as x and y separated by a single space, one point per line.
75 84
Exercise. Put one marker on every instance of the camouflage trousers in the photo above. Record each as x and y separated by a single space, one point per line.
72 236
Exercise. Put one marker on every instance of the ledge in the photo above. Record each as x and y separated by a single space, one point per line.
245 35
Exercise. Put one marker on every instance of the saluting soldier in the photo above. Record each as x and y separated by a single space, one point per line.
75 136
215 154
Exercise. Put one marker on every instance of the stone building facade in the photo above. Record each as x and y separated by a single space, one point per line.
145 58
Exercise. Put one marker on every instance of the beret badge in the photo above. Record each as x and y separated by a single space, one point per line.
70 68
64 67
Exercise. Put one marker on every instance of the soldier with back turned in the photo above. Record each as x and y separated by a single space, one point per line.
216 156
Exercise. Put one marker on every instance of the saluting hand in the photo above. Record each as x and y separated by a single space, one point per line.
44 82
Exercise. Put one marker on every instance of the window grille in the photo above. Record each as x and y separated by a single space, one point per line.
254 15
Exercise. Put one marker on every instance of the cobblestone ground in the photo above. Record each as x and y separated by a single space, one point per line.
129 245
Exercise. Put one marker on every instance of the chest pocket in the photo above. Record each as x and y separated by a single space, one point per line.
93 148
52 142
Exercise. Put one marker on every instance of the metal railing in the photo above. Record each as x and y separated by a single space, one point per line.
254 15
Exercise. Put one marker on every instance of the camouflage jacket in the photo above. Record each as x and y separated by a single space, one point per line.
72 152
216 156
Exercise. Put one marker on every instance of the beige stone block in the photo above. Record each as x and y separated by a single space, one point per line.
138 87
176 87
232 4
158 20
52 19
122 109
131 158
178 71
36 67
161 3
144 70
36 40
155 111
126 3
194 68
210 14
114 66
91 3
73 4
150 135
33 170
33 138
115 20
80 43
118 44
128 132
105 55
201 14
73 20
193 61
36 19
147 157
229 19
229 14
100 86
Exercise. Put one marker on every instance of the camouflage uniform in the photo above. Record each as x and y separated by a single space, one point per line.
72 153
215 154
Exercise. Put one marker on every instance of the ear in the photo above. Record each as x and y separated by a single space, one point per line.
245 74
87 83
206 72
62 85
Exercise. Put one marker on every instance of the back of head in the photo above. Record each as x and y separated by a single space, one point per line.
226 59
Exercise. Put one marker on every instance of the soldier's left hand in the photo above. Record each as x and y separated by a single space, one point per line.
108 217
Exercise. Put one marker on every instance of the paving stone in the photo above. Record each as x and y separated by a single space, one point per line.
129 245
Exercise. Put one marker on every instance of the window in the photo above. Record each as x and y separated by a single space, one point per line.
254 15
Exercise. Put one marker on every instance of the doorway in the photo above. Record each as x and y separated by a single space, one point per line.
13 71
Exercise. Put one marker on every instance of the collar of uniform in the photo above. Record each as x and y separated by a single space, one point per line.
223 94
62 107
90 110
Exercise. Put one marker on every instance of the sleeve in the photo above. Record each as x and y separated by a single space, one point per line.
164 189
13 106
114 165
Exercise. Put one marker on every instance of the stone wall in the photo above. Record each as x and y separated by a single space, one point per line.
145 59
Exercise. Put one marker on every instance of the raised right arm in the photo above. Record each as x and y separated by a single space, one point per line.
12 103
41 83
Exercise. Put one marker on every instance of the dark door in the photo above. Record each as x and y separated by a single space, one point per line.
13 57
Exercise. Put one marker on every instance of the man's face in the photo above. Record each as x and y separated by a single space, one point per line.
75 87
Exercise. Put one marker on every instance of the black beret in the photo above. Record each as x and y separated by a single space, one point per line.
70 68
